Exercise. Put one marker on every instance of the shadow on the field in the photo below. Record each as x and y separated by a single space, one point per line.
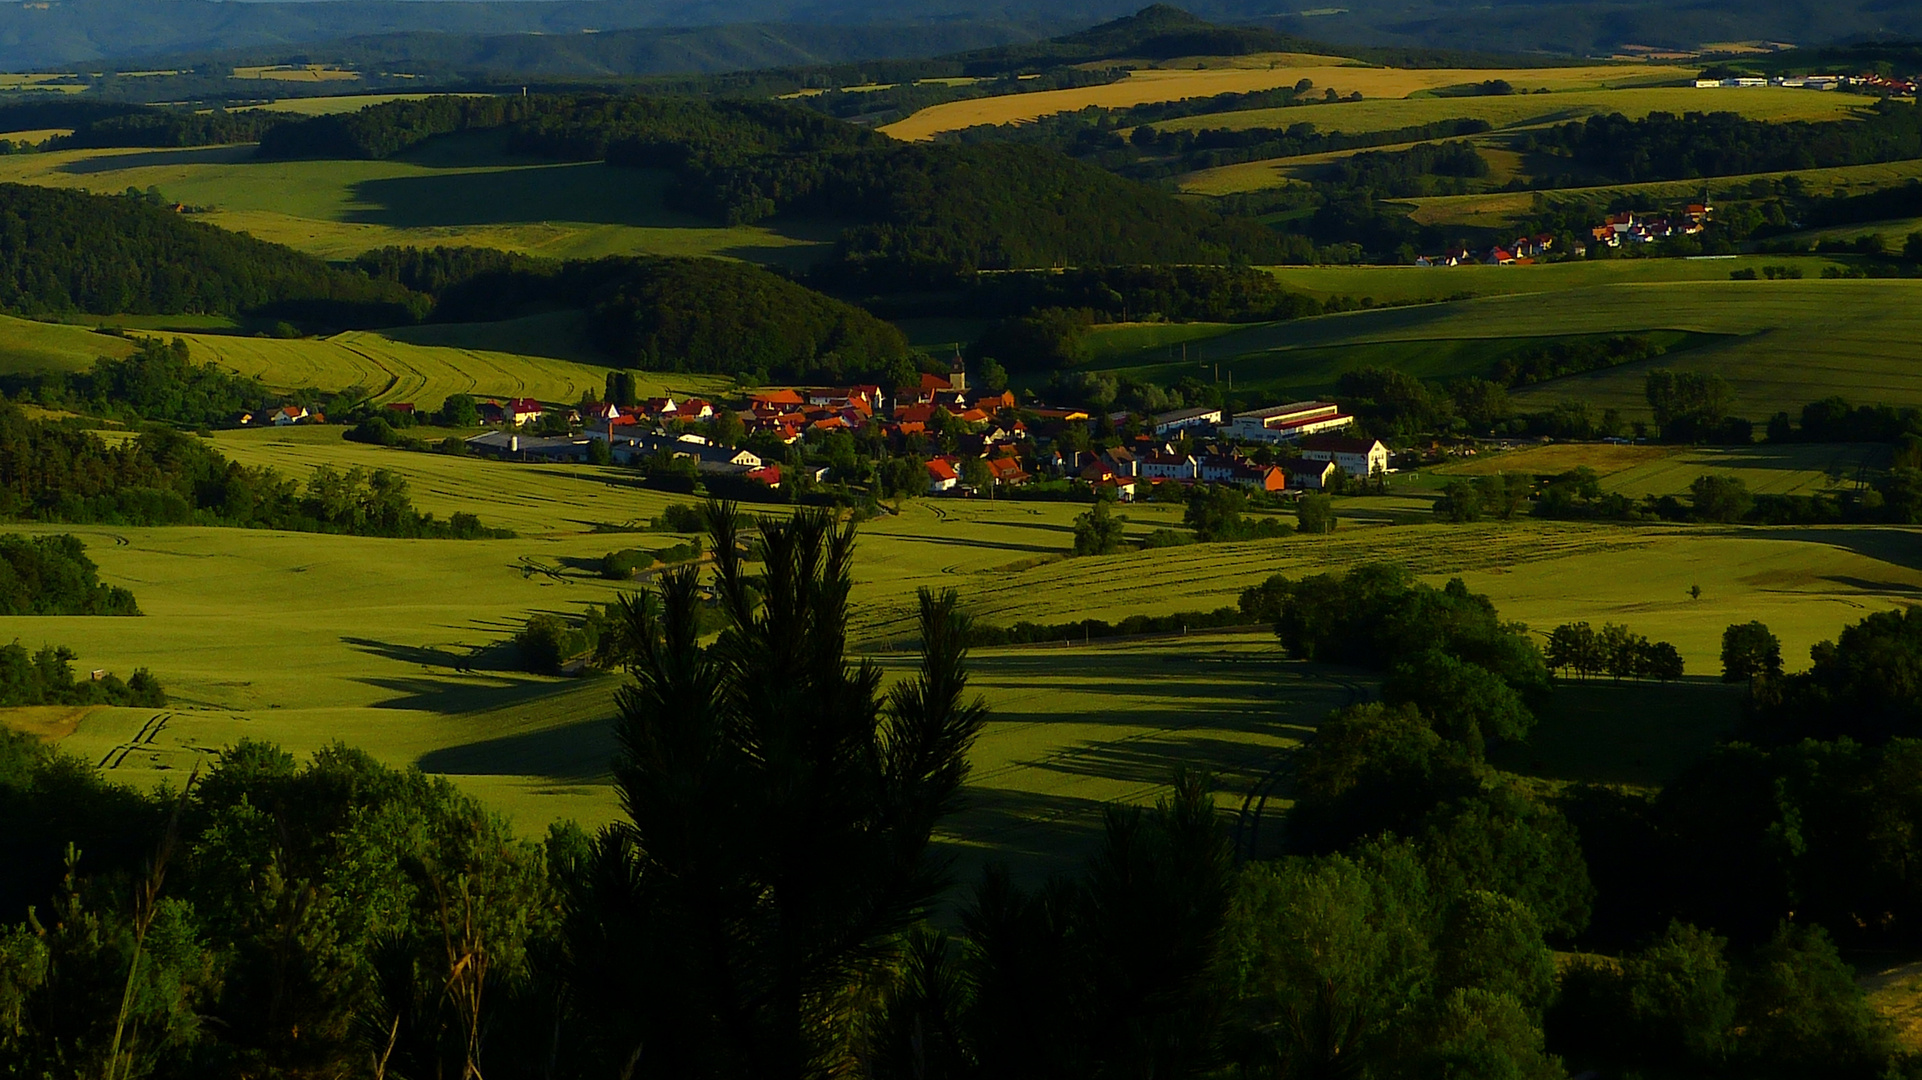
453 694
579 751
1033 835
207 155
1897 547
1154 760
939 541
461 659
583 193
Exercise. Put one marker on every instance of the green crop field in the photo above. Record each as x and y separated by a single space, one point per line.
1520 111
458 192
1791 469
436 362
1497 209
27 346
1412 284
1782 344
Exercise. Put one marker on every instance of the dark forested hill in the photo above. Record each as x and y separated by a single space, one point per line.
68 251
695 35
912 214
706 315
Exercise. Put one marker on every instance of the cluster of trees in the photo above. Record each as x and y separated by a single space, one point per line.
1142 293
58 472
1497 496
1448 655
1150 153
52 575
1426 169
159 382
1614 651
1663 146
70 251
1694 406
1218 512
1555 359
46 677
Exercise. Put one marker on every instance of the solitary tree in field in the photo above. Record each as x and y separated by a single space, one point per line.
1749 651
1097 532
779 808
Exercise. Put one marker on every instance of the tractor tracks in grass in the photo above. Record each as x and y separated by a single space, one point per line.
142 739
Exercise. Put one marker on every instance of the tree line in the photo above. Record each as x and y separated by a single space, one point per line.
53 471
1664 146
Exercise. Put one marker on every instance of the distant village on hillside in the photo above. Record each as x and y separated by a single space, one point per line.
971 443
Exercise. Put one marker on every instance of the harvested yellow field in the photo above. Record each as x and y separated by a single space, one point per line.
1344 77
343 103
312 73
36 136
1514 111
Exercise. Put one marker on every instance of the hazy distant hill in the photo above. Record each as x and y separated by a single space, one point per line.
65 32
646 51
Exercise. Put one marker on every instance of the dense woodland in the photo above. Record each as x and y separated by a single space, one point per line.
762 907
1663 146
69 251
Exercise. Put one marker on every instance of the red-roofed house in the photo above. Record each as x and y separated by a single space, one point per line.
520 411
941 476
1007 471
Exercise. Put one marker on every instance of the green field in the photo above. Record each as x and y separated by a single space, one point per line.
433 362
450 192
1497 209
395 645
1520 111
1412 284
1640 470
1782 344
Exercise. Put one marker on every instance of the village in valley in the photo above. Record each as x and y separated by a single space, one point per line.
969 443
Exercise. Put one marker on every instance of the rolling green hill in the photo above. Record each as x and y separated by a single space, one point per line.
1782 344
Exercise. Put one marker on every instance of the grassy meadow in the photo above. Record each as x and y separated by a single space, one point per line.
1781 343
395 646
454 192
1195 77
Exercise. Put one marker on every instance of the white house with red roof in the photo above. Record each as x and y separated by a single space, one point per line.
942 476
1354 456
